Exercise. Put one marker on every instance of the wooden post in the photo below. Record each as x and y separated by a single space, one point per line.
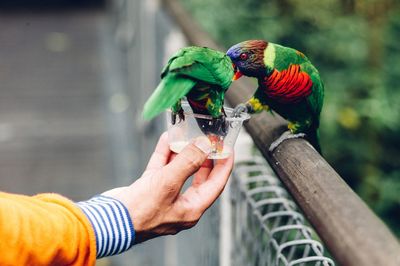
352 232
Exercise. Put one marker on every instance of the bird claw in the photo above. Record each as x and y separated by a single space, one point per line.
240 108
173 118
221 125
180 114
285 136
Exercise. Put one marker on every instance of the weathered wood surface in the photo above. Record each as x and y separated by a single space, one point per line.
352 232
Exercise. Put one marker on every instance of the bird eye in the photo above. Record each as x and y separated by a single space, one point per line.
243 56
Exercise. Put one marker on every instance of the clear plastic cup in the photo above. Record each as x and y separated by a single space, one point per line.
196 125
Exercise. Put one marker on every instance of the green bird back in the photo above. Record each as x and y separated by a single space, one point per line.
186 68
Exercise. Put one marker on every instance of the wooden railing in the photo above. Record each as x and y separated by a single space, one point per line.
353 234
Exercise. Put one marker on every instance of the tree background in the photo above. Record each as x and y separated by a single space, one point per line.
355 44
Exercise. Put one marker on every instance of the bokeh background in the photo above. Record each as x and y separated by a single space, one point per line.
355 46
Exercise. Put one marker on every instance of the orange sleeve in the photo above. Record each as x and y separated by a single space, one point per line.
46 229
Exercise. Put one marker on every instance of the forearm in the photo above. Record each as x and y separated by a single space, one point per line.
46 229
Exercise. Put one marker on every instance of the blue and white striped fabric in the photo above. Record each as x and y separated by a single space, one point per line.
112 225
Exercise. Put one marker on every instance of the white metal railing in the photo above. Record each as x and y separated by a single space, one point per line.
267 227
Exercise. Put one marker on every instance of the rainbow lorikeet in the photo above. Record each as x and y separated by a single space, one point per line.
200 74
287 83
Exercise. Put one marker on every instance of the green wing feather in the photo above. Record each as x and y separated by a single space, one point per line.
203 64
316 98
183 71
170 90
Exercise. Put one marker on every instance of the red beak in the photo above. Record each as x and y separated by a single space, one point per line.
237 74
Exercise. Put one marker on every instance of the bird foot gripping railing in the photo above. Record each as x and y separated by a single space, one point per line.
267 223
353 234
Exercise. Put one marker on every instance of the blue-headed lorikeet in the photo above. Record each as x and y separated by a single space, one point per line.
200 74
287 83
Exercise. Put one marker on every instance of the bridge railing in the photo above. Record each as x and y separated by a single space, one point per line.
353 234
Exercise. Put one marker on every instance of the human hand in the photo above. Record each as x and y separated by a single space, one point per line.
155 202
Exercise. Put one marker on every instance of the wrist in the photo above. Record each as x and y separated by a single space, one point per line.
111 223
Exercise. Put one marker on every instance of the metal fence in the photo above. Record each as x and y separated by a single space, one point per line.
267 227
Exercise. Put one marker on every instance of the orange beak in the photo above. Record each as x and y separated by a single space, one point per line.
237 74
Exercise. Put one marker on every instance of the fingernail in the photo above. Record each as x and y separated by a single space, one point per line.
203 144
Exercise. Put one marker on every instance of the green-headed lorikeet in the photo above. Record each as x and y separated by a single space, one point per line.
202 75
287 83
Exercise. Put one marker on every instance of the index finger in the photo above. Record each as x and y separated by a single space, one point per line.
206 193
161 153
187 162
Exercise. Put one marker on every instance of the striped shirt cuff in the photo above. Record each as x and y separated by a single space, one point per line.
112 225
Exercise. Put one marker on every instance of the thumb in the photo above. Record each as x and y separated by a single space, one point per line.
188 161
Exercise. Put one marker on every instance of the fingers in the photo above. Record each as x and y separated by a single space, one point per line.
219 176
187 162
201 175
161 153
208 191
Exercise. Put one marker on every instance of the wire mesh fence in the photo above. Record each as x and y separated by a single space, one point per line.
267 227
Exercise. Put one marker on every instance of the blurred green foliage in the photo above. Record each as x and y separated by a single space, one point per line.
355 44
